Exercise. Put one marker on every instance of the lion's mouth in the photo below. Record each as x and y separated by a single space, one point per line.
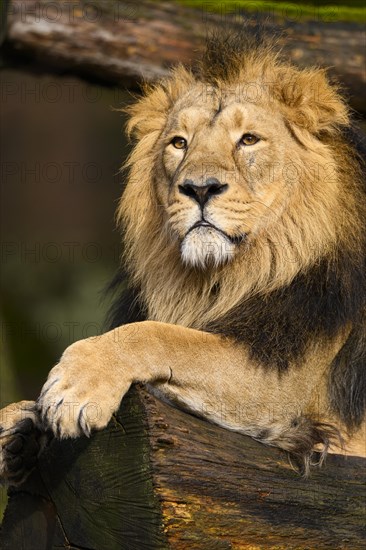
236 239
201 223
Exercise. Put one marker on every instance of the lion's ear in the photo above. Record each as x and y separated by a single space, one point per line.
310 101
149 113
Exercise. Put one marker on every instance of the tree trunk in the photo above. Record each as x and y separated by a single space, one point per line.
124 43
160 478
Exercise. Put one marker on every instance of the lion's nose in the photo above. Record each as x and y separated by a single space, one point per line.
202 193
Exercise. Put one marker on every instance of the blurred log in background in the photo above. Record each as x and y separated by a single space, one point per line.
125 42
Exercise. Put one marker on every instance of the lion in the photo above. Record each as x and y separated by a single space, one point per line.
245 243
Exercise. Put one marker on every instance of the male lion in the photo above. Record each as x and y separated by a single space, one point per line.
244 219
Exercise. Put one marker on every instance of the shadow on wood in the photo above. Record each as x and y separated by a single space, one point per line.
159 478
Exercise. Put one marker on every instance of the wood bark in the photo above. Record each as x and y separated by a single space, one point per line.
160 478
124 43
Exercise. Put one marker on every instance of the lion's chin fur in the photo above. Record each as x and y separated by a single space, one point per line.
205 246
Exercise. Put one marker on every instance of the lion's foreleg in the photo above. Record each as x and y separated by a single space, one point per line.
203 372
86 387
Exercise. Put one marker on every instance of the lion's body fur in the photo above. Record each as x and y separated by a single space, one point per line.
300 280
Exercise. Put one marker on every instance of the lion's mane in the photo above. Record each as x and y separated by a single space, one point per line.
302 281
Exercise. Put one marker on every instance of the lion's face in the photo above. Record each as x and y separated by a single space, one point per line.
223 173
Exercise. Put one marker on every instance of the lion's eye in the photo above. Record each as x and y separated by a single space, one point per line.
249 139
179 142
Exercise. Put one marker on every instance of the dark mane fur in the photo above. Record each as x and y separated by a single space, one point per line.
279 326
227 52
126 307
347 379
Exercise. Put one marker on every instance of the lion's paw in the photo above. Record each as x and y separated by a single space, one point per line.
21 441
81 392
